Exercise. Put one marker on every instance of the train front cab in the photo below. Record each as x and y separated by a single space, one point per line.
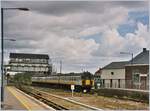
87 82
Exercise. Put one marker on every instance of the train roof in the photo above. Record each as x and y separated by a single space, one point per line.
73 74
70 74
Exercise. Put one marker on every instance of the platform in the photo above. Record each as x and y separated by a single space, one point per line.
14 99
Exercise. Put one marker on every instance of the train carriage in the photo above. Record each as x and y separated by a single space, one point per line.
82 81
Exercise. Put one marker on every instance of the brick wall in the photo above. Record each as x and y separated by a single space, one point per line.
142 69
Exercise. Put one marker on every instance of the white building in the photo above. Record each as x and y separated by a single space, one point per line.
32 63
113 75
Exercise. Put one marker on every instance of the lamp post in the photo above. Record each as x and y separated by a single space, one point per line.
9 39
2 49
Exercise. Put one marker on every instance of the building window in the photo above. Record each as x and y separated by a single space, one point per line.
27 60
17 60
20 60
13 60
112 73
136 77
33 60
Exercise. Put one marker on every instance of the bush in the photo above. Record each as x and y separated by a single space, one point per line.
22 78
124 94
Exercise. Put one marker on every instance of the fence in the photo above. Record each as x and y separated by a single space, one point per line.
122 83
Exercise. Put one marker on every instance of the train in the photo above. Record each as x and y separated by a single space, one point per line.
82 81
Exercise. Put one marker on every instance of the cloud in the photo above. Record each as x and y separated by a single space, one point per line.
112 43
64 30
141 37
61 8
37 27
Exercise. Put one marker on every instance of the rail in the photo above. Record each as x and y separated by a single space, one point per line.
45 100
44 96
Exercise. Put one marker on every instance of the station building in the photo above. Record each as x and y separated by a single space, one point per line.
132 74
36 64
113 75
137 73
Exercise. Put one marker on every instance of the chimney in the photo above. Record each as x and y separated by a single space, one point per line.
144 49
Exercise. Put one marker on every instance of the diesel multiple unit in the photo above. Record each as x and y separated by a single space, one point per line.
82 81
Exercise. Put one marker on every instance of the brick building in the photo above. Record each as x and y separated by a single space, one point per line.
137 72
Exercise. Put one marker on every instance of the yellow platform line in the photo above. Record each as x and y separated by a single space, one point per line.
26 105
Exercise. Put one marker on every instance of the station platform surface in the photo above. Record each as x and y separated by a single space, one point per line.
14 99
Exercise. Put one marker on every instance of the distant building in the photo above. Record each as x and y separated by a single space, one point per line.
97 78
37 64
137 72
98 72
113 75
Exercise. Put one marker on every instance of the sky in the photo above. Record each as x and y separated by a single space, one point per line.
84 35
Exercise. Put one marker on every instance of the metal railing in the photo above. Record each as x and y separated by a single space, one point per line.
127 84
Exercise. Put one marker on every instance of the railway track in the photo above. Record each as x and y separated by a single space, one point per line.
117 97
58 103
45 100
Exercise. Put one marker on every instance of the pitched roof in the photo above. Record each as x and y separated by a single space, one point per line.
98 71
32 56
116 65
142 58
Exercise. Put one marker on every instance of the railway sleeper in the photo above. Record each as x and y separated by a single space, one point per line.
48 102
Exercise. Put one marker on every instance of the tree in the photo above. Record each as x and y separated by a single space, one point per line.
22 79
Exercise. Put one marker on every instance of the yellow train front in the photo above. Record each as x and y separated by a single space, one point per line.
82 81
87 81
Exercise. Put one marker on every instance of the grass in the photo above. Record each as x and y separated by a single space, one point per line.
99 101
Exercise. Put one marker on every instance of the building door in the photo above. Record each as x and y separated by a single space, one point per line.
111 83
103 83
143 82
136 81
118 83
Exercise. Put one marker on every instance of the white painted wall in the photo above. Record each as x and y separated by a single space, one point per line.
118 74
